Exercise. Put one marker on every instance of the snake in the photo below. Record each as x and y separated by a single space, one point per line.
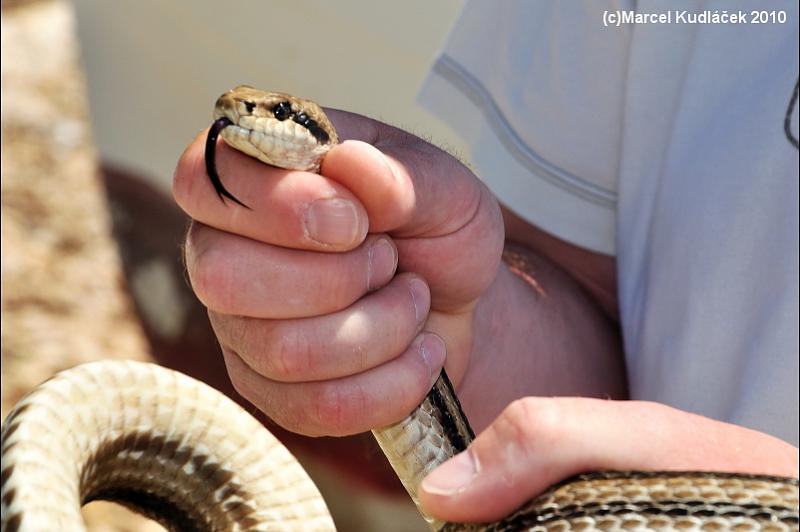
178 451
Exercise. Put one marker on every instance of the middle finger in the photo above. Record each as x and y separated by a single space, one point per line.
289 208
231 274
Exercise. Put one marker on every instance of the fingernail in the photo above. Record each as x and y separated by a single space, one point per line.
433 352
332 221
382 263
420 296
452 476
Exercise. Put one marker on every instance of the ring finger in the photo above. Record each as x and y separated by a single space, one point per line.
367 334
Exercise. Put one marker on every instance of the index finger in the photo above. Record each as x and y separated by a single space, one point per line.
290 208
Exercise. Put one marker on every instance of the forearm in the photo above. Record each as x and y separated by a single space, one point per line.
593 271
540 334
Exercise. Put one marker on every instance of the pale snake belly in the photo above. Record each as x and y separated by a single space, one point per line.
183 454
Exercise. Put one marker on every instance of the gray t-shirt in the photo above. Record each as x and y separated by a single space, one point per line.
671 145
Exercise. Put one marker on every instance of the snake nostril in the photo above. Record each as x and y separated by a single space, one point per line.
250 106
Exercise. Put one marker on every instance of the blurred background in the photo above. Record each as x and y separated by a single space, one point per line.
98 101
154 69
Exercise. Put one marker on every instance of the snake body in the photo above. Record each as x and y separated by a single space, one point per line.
152 439
183 454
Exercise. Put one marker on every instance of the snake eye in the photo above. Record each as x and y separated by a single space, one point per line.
250 106
282 111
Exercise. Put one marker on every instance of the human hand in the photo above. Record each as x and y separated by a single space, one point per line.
315 328
537 442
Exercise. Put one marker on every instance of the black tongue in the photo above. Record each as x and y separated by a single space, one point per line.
211 166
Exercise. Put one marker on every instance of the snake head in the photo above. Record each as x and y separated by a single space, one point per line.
276 128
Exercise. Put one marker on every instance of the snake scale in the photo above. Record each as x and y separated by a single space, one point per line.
181 453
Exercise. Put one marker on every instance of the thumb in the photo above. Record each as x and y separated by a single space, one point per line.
408 186
433 206
537 442
508 462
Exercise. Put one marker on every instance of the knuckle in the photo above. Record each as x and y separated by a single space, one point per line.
420 382
343 288
650 409
259 396
246 337
241 388
241 384
289 419
289 358
211 279
267 347
282 404
328 407
339 409
286 414
531 421
232 331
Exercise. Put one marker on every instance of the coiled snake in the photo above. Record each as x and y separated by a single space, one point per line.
183 454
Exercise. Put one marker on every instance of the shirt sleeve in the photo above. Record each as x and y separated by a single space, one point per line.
536 91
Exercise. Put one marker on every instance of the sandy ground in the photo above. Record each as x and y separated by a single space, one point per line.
63 300
67 294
